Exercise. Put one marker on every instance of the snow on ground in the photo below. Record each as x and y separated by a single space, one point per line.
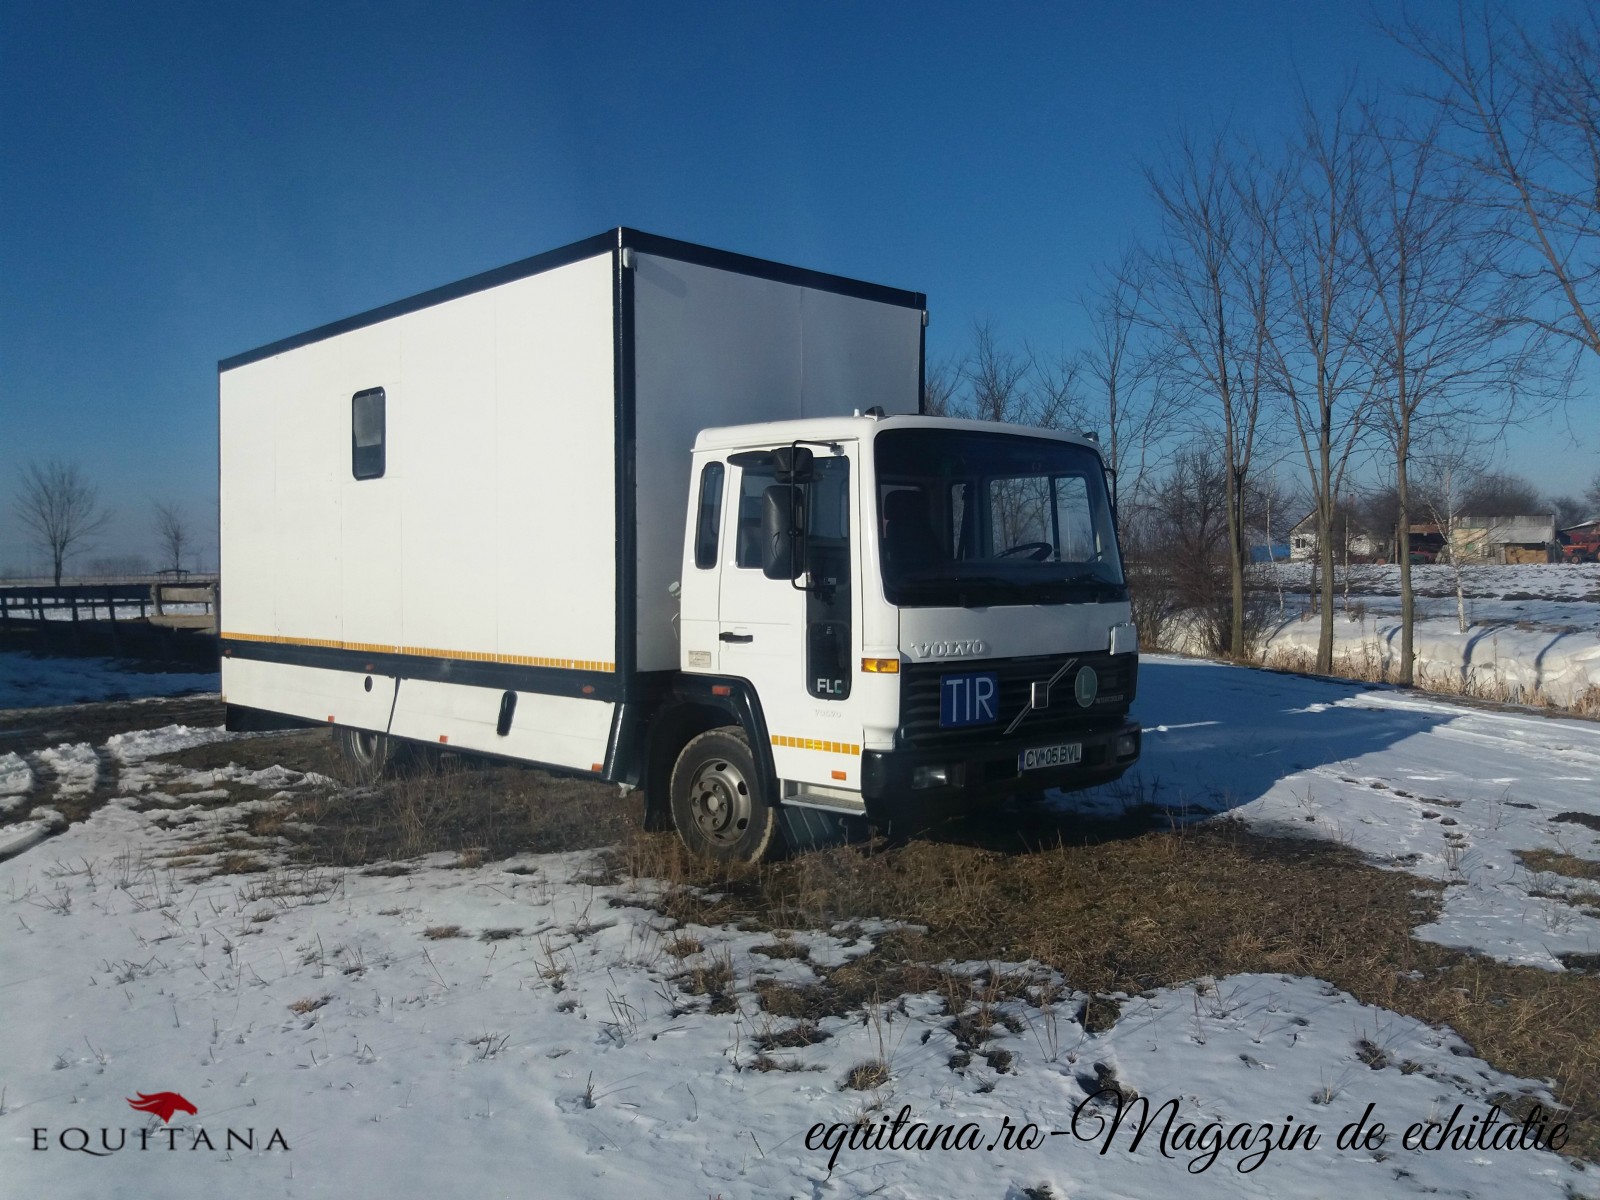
1549 581
545 1050
16 780
1441 791
31 681
75 767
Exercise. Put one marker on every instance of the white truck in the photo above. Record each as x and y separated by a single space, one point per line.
671 517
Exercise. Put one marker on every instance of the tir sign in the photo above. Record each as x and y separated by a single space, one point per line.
968 699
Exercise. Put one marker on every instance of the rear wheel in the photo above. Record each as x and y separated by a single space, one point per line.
369 756
718 803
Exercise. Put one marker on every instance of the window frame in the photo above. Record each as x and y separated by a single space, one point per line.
365 468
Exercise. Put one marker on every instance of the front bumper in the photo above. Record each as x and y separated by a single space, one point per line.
989 769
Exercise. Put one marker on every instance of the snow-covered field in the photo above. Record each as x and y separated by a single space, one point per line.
31 681
513 1029
1554 596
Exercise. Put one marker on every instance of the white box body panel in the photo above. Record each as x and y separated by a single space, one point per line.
491 535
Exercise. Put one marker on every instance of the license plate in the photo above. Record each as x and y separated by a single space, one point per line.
1063 755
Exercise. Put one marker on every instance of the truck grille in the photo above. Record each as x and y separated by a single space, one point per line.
919 697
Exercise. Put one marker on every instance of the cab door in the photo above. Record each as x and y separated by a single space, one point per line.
797 641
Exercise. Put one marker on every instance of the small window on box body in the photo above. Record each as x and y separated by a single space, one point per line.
367 434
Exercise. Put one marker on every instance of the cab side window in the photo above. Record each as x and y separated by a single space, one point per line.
709 517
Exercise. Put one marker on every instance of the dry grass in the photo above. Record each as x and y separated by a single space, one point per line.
683 946
867 1076
436 933
479 812
712 976
1561 864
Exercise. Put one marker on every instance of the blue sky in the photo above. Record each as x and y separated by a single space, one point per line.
182 181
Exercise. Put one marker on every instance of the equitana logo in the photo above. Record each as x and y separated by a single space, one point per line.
162 1104
107 1140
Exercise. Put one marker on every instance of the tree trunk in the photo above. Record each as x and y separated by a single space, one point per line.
1408 605
1325 633
1235 566
1325 553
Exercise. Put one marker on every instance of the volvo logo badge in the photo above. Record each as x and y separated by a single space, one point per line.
948 649
1086 686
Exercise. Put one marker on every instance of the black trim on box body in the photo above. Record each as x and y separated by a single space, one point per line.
624 423
627 748
241 718
549 681
922 367
620 238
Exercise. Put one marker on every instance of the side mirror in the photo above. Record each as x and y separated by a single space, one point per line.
792 464
779 532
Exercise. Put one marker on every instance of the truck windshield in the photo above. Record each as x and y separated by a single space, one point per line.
971 519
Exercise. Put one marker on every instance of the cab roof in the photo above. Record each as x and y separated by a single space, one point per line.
763 434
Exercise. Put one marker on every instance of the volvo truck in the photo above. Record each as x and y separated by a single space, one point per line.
673 518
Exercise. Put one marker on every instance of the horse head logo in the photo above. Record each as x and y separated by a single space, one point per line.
162 1104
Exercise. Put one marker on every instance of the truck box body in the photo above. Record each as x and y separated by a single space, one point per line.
532 436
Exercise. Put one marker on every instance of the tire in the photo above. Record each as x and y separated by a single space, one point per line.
718 802
369 757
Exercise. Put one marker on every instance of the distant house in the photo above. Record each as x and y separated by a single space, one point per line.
1503 539
1425 541
1350 542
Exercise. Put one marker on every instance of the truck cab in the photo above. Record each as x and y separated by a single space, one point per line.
911 614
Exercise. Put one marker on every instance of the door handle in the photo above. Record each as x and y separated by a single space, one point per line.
737 637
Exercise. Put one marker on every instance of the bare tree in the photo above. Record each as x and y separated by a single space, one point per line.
1523 106
1210 288
172 533
1501 494
1315 345
995 380
1591 496
60 509
939 390
1568 510
1125 373
1445 469
1437 348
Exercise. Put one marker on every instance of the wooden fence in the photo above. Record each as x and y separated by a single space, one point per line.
174 620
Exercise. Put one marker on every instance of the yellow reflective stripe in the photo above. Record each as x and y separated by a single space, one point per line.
521 660
796 743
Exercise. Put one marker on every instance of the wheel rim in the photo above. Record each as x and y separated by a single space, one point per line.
719 801
364 748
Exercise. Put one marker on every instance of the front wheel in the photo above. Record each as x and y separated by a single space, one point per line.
718 803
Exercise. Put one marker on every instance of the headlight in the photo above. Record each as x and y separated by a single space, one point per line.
938 775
